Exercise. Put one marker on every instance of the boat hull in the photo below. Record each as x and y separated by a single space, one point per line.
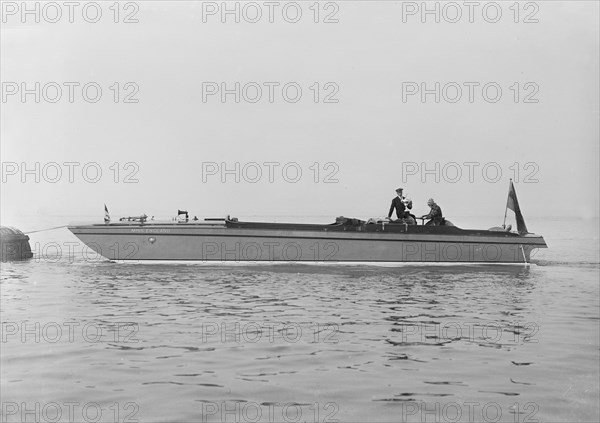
219 243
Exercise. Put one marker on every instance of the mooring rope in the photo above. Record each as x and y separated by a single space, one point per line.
43 230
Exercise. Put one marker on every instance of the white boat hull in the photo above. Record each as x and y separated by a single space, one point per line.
218 243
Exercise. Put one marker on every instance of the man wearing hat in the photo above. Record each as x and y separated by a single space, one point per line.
435 214
398 205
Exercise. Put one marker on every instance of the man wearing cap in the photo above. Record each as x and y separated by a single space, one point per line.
398 205
435 214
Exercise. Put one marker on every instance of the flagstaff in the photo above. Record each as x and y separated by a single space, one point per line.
506 209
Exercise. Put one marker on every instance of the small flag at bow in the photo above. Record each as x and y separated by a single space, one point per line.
513 204
106 215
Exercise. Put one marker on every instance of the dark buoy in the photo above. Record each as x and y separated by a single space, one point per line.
14 244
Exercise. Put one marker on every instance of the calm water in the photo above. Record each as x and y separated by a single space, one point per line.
89 340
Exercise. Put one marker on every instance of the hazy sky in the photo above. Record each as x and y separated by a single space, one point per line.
543 130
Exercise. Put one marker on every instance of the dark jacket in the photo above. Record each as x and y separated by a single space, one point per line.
399 206
435 214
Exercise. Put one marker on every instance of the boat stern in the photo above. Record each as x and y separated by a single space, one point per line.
531 242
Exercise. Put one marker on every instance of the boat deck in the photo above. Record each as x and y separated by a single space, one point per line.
391 227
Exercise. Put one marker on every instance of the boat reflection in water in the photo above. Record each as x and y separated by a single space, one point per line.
345 241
